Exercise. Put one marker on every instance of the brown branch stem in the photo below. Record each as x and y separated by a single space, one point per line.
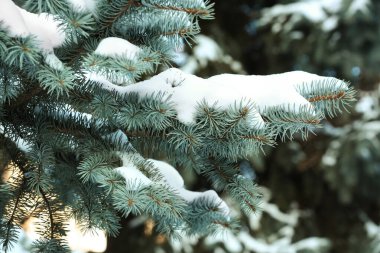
111 20
327 97
50 213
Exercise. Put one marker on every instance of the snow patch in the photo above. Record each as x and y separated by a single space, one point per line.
368 106
330 23
117 47
95 77
359 6
175 180
206 50
186 91
53 61
313 10
229 240
45 27
21 143
83 5
170 174
286 218
266 91
135 179
312 243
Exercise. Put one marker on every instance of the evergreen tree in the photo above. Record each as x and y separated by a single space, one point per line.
86 116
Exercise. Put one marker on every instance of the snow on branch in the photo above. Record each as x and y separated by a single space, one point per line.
292 92
83 5
117 47
135 179
324 13
314 10
120 61
19 22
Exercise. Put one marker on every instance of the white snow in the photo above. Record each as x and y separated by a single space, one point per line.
22 23
315 243
21 144
322 12
266 91
278 240
311 11
134 178
373 232
93 76
229 240
45 28
256 245
53 61
329 160
83 5
185 244
117 47
172 177
12 19
330 23
286 218
186 91
315 11
359 6
170 174
312 244
368 106
206 50
191 65
371 228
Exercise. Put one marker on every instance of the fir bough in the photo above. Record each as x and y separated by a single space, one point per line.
79 121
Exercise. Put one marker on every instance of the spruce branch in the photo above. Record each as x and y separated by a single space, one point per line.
51 6
26 96
88 113
219 172
286 121
196 8
56 82
245 192
78 26
22 52
328 96
8 240
12 207
204 217
114 10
